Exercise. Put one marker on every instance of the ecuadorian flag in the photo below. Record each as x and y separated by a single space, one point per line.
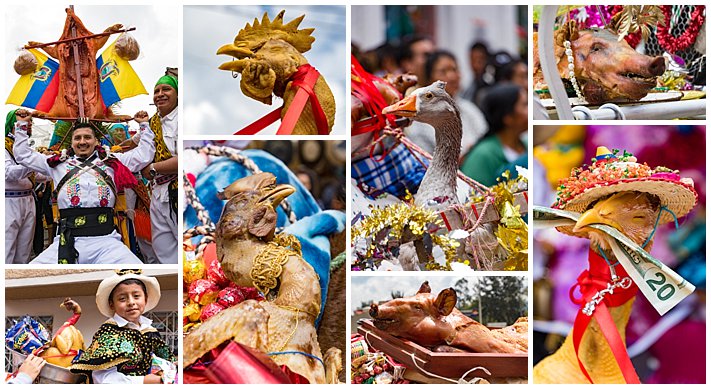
117 78
37 90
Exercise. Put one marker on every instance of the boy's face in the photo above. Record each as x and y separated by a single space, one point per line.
129 301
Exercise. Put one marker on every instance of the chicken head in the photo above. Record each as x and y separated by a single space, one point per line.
632 213
267 54
248 217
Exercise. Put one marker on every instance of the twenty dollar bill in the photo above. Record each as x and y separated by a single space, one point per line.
662 286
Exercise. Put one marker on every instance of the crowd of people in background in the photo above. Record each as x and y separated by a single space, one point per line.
493 106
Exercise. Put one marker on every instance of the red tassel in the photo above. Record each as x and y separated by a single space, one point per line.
123 178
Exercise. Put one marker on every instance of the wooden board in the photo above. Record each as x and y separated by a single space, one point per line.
450 365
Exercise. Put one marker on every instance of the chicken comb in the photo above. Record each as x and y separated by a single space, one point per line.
253 36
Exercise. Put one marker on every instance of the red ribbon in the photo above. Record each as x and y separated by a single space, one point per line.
304 80
364 89
591 282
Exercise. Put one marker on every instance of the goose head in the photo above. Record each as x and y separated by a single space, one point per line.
430 104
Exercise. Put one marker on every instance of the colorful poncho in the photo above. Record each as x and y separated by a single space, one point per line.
127 349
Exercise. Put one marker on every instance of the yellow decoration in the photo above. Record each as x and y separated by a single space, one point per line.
512 232
397 218
635 18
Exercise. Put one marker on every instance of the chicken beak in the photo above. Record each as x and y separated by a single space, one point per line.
234 51
278 194
234 66
594 216
406 107
237 52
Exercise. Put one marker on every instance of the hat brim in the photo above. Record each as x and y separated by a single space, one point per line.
678 196
108 285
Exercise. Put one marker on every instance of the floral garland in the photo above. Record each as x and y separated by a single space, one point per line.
675 44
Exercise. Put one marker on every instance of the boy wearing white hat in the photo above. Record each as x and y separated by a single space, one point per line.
122 349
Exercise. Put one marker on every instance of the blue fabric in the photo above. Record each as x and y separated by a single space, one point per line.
312 228
396 174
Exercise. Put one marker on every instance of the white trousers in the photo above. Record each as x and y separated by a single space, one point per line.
164 231
106 249
19 229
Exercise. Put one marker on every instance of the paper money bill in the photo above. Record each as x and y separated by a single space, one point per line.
662 286
544 217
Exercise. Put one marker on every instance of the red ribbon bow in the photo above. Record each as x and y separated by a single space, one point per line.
591 282
304 80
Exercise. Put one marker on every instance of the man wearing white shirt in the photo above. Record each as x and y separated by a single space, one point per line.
163 172
87 180
20 208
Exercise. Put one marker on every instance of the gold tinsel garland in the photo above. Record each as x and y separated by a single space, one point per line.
397 218
512 231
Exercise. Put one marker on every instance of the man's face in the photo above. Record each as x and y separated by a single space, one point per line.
165 98
478 60
83 142
420 50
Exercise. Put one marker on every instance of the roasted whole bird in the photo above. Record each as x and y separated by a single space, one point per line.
252 255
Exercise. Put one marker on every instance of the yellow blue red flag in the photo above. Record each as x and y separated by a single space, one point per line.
117 78
39 89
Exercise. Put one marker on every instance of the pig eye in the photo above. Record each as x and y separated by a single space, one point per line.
418 307
429 95
596 47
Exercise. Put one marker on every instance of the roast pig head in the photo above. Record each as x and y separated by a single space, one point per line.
608 68
420 318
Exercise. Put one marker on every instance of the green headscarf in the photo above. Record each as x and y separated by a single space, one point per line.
10 120
168 80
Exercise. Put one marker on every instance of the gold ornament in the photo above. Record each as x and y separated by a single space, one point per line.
635 18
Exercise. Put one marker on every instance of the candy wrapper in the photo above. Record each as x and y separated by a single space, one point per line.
203 292
251 294
166 369
230 296
191 312
26 336
210 310
213 267
193 270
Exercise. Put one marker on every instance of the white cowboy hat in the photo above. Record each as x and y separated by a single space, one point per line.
108 285
612 174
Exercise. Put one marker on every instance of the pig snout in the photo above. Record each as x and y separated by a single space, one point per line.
373 310
658 66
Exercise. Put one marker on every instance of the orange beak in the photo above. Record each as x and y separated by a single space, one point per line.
406 107
596 215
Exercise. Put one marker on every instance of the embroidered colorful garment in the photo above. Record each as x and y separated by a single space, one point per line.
126 349
162 154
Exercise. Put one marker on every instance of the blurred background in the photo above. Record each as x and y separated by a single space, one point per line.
653 342
479 51
214 103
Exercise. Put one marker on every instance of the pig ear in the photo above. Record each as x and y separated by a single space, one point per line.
445 302
425 288
262 221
